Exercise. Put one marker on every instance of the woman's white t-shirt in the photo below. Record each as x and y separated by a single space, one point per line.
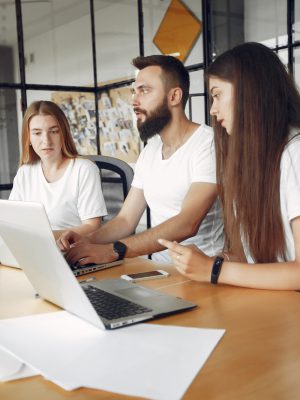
289 194
75 197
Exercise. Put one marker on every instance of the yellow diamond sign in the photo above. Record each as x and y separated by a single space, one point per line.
178 31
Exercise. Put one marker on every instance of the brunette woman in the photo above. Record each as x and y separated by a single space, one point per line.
256 113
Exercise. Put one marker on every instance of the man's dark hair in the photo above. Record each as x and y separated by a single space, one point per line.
174 72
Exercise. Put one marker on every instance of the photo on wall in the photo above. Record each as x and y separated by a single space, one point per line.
118 136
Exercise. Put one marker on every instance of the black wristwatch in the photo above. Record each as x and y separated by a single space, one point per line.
216 269
120 248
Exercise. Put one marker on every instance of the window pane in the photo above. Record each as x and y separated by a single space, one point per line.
9 70
196 110
297 66
57 42
196 82
284 57
227 25
79 108
297 21
9 137
117 39
235 22
265 21
158 17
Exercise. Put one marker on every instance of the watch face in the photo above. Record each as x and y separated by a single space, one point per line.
120 248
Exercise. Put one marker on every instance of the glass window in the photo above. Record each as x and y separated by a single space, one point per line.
57 42
80 111
235 22
196 82
297 21
9 70
163 20
284 57
195 109
297 66
192 109
265 22
117 39
227 25
9 137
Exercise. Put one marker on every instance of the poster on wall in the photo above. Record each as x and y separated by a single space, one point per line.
118 135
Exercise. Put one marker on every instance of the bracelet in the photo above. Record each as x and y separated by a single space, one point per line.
216 269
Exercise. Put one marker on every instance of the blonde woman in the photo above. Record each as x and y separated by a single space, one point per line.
52 173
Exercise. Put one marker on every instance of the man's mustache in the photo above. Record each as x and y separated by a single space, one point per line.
140 110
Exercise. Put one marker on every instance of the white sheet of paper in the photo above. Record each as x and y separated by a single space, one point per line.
153 361
11 368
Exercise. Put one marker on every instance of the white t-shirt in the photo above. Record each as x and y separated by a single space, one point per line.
75 197
289 194
166 182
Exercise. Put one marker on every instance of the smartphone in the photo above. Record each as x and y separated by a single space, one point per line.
142 276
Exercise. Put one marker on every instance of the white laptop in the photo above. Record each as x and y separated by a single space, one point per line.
13 211
107 304
25 214
6 258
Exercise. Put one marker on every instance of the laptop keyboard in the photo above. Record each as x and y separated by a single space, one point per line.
110 306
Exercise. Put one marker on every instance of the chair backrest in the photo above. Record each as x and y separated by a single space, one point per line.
116 178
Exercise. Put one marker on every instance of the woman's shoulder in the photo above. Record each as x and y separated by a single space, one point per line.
28 168
83 167
84 163
291 152
293 143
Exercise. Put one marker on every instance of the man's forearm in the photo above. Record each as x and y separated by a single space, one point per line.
143 243
113 230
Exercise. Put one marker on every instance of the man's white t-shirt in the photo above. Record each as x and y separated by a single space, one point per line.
75 197
289 194
165 184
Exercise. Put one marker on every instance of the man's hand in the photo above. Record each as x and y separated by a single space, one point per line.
71 239
85 253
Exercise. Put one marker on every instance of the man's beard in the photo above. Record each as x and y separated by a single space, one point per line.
154 122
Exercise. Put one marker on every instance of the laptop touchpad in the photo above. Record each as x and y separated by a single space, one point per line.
136 293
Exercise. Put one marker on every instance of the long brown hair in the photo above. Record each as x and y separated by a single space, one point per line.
266 104
28 155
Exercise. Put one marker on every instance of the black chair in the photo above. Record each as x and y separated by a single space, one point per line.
5 189
116 177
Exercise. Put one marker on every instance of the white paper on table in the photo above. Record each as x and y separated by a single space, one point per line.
152 361
11 368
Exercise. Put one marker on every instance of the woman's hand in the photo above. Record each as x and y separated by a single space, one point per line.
189 260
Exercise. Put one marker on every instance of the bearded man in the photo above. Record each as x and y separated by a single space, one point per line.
174 176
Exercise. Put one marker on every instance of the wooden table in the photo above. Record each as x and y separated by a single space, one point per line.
257 358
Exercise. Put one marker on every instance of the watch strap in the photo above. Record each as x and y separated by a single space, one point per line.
216 269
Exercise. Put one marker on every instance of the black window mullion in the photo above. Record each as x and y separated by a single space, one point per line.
290 24
94 51
19 21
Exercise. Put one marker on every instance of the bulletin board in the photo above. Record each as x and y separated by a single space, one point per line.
118 134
